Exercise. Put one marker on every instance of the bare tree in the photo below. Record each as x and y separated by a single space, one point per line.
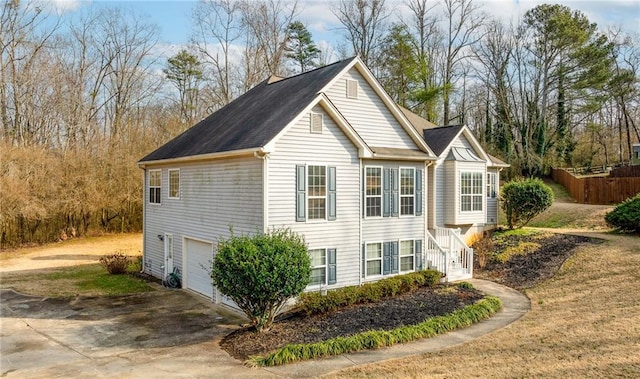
217 36
464 22
266 23
364 22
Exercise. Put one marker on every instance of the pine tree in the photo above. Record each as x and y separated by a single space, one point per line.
300 47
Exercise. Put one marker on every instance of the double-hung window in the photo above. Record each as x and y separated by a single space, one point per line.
323 266
373 191
407 255
407 191
155 186
318 266
492 185
470 191
317 192
374 259
174 183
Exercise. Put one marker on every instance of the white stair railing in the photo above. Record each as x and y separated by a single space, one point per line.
459 256
435 256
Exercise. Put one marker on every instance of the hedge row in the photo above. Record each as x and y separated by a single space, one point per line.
316 303
370 340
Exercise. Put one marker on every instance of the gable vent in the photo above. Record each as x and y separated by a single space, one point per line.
316 123
352 89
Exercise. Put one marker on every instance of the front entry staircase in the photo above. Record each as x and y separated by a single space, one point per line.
448 253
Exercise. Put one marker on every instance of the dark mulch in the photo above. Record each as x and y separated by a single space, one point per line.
521 271
526 271
408 309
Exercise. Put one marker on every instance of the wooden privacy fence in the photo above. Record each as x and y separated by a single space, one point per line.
597 190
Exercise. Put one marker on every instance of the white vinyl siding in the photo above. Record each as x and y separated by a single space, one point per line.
368 115
155 186
373 191
296 148
174 184
215 196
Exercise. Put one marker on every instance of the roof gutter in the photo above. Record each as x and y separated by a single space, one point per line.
256 151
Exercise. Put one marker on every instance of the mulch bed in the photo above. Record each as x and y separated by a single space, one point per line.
407 309
526 271
520 272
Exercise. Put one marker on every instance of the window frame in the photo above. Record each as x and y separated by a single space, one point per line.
172 170
323 197
472 195
492 188
412 255
366 196
324 266
412 196
367 260
158 187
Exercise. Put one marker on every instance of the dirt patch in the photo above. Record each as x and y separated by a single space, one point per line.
527 270
408 309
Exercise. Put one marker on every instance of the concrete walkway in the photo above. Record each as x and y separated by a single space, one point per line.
515 305
49 347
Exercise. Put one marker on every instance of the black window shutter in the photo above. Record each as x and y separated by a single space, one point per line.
418 253
386 192
386 258
333 274
301 187
418 193
331 193
395 197
394 257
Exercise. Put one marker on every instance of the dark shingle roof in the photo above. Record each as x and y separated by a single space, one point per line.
439 138
253 119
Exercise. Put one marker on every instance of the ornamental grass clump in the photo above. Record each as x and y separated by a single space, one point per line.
116 263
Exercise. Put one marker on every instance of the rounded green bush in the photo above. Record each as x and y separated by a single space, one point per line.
261 272
524 199
626 215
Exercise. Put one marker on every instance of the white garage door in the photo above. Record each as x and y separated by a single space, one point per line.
199 256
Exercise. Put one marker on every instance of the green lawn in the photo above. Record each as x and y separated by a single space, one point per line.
89 280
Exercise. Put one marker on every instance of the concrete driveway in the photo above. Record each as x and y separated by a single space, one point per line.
163 332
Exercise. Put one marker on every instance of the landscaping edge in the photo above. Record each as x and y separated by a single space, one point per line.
376 339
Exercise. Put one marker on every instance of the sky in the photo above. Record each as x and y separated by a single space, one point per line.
174 16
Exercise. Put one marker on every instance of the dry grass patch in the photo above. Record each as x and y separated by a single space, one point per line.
69 253
584 322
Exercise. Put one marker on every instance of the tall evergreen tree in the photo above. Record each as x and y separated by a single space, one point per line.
300 47
184 71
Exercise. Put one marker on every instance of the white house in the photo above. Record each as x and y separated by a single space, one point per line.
326 153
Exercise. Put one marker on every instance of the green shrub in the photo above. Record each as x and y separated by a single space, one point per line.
524 199
316 303
626 215
465 285
116 263
431 327
261 272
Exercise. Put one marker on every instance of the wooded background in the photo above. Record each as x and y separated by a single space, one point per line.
81 101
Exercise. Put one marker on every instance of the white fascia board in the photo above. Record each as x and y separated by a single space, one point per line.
204 157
